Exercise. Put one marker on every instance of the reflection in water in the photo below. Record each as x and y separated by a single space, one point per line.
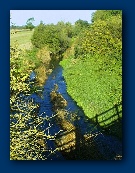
107 145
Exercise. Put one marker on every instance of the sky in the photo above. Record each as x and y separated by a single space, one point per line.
20 17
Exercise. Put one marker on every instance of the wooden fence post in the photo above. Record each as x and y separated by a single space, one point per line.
117 111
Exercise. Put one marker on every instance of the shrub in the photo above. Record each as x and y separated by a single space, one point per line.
19 73
104 37
52 36
28 134
28 137
105 14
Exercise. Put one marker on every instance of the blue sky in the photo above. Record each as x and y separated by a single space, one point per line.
19 17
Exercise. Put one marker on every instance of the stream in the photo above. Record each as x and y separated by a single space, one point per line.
108 146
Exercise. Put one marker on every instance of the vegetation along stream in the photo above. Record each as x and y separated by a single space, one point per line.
66 89
108 147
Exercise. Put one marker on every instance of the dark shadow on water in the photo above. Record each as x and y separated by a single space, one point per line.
91 146
89 140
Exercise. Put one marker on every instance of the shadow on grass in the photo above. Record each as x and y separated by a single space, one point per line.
112 123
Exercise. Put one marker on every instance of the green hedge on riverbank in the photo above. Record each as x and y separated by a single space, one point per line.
93 72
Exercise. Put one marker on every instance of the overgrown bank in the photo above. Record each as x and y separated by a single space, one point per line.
93 91
28 136
93 72
93 78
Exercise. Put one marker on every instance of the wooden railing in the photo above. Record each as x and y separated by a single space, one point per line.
73 144
114 115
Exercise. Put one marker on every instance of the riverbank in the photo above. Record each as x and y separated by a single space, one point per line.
56 124
79 139
93 91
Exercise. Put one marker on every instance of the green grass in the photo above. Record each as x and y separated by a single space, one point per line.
23 38
94 91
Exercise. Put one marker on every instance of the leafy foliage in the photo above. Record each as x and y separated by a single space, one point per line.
19 73
40 58
27 136
93 88
92 69
105 14
55 37
79 26
94 73
104 37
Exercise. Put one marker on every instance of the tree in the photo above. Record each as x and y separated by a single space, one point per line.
105 14
55 37
80 25
29 23
104 36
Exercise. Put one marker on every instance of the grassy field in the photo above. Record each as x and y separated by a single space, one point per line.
23 38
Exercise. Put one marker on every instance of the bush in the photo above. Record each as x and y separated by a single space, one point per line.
105 14
104 37
52 36
41 60
28 136
19 73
